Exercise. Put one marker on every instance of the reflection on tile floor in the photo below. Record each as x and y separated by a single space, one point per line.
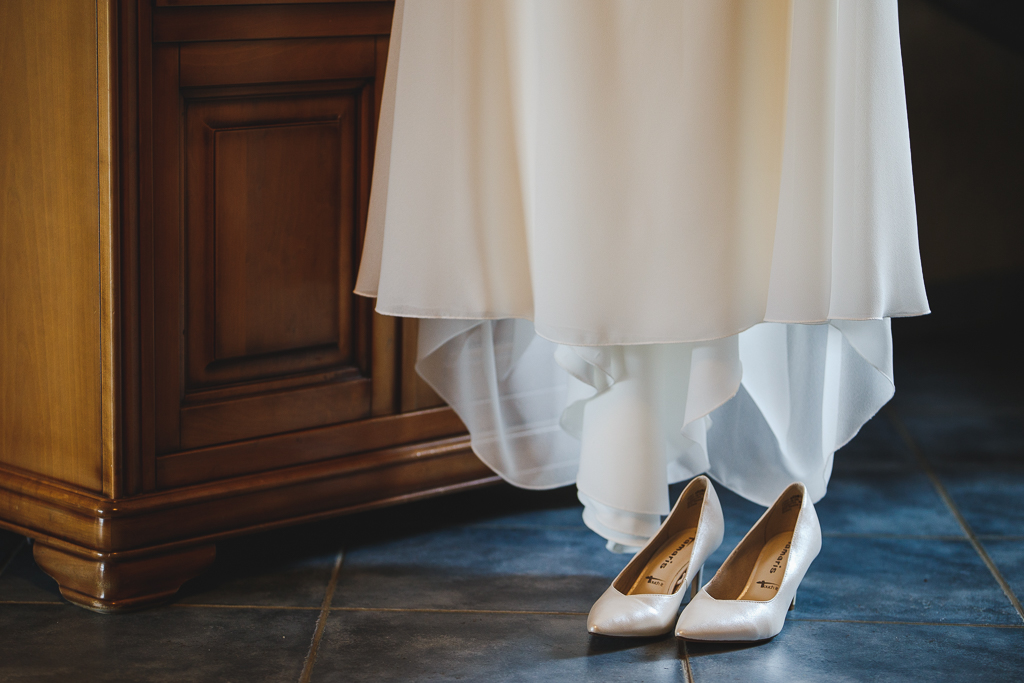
886 653
172 645
494 585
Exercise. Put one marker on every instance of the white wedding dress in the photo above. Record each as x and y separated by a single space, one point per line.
648 238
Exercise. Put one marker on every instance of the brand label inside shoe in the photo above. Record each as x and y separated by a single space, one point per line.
791 502
780 561
666 569
766 577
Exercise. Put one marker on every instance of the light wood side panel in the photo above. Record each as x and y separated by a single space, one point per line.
52 206
109 256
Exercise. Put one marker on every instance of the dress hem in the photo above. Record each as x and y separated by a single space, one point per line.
546 334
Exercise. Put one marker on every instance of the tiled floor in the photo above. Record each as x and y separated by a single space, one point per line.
923 551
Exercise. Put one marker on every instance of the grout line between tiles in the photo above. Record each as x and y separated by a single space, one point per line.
14 553
321 621
1014 627
427 610
213 605
686 664
526 527
899 537
431 610
908 438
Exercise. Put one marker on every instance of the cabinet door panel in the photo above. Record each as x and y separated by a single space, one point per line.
278 201
271 236
263 240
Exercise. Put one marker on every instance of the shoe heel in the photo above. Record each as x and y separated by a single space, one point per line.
792 605
697 582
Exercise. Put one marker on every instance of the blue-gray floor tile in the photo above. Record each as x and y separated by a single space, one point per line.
905 579
991 502
913 580
473 567
404 646
1009 558
812 652
876 487
62 643
904 503
980 461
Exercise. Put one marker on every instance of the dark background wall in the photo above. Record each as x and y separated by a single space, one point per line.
964 70
965 101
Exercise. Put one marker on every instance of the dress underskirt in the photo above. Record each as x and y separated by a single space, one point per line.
648 238
756 411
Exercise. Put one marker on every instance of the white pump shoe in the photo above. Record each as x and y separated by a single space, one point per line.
644 598
749 596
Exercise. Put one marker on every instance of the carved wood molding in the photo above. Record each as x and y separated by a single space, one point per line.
205 20
98 528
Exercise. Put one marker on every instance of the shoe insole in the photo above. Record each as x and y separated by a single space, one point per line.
667 567
766 577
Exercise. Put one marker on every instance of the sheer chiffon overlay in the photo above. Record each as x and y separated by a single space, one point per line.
649 238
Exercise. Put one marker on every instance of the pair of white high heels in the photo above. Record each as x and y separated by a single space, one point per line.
749 596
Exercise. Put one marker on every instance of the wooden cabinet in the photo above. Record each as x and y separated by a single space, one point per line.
185 189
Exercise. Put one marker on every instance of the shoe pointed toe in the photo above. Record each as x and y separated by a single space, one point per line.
615 614
725 621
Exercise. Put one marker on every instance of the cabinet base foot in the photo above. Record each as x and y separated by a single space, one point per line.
121 585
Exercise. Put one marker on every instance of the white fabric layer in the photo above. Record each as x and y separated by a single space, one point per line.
652 238
627 172
756 411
